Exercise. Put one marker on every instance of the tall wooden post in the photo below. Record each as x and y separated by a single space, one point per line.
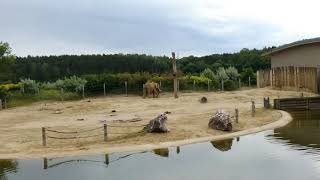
105 132
44 137
295 78
0 104
175 81
104 89
178 85
249 81
239 81
208 85
160 84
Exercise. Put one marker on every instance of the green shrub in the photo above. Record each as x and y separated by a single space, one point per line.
71 84
29 86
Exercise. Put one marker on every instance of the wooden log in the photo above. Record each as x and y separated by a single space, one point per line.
44 137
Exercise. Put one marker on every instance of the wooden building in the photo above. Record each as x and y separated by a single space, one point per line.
294 66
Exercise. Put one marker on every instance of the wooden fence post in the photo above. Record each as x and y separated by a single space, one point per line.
239 80
5 103
104 89
208 85
237 115
83 91
194 85
61 94
178 86
126 87
0 104
160 84
253 108
105 132
222 85
266 102
44 137
249 81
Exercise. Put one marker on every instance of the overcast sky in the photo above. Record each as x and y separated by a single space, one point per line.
157 27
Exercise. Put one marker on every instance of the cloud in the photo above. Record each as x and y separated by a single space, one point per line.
157 27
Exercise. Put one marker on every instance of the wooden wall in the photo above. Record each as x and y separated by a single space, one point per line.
290 78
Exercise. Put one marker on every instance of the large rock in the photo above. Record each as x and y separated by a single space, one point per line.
158 124
221 121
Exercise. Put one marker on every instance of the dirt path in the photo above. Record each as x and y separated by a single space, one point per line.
21 127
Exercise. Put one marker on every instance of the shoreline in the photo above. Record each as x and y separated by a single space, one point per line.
284 120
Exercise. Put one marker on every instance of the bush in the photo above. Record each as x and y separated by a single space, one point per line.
208 73
29 86
230 85
71 84
232 73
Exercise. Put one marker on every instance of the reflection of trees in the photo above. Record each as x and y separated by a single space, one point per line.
222 145
7 166
163 152
304 130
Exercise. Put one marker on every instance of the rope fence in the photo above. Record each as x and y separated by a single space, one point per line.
49 133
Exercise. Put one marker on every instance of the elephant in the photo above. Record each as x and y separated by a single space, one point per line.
151 88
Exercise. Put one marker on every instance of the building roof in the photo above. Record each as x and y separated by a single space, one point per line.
291 45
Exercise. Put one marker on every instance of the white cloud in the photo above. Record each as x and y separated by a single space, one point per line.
154 27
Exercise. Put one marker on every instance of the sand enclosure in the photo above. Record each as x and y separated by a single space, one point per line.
21 127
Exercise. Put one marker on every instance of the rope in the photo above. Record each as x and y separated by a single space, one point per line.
73 132
53 137
127 126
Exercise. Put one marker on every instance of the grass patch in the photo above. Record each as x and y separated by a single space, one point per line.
19 99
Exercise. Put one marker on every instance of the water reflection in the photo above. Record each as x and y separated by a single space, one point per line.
222 145
280 153
7 166
304 131
163 152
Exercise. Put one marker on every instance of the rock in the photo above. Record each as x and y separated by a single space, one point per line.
203 100
221 121
81 119
158 124
222 145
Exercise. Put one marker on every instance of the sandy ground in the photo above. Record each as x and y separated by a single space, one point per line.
21 127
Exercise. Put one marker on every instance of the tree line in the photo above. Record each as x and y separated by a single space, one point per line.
51 68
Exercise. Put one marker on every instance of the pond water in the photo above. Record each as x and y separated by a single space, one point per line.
291 152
